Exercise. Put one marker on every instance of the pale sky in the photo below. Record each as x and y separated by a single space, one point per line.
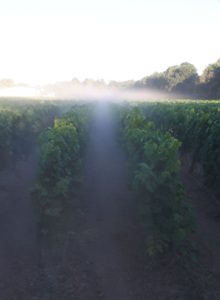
50 40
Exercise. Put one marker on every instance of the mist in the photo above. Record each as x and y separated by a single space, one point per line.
66 92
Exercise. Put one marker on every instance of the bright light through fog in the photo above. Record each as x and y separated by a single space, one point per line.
47 41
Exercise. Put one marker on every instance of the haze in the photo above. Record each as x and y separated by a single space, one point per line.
47 41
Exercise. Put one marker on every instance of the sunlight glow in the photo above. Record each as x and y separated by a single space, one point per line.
19 92
48 42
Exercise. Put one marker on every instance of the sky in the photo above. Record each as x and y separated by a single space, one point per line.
44 41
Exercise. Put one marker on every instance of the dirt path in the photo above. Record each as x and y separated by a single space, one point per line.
109 218
17 230
207 235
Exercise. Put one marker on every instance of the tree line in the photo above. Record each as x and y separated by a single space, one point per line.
179 81
184 79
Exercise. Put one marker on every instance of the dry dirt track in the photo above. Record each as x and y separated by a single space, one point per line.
108 215
18 251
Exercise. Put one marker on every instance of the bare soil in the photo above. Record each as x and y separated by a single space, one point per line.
18 244
207 236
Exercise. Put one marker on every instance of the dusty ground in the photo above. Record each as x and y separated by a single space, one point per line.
100 253
207 236
18 251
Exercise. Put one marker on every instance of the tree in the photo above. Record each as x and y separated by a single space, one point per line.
182 78
210 81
